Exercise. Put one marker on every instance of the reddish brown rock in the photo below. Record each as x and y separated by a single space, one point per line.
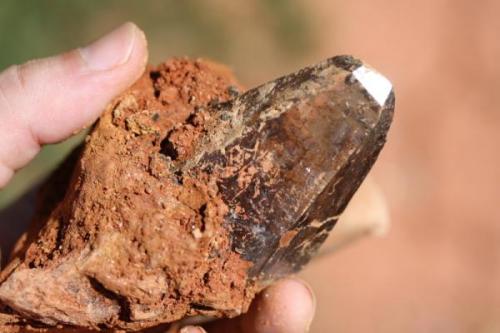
187 198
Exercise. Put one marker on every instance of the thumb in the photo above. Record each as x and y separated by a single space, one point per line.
46 100
288 306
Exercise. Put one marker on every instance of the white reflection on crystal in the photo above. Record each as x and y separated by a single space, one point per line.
375 83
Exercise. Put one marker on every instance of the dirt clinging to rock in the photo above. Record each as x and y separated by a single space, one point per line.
129 209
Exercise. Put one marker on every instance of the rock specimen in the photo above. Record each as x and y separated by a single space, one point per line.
188 197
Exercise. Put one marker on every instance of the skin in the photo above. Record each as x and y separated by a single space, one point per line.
47 100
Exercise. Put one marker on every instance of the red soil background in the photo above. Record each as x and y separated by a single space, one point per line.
438 269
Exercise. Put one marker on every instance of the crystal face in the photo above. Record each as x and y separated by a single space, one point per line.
375 83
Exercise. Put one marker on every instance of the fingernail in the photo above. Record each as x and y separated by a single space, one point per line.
111 50
312 298
192 329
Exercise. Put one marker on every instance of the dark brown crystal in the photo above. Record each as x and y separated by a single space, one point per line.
308 139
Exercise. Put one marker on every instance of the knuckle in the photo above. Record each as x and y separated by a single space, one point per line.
12 86
20 75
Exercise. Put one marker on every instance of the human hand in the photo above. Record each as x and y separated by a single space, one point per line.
45 101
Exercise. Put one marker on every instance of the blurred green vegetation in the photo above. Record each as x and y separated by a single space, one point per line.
260 38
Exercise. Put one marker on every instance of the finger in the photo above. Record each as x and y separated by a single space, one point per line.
192 329
45 101
285 307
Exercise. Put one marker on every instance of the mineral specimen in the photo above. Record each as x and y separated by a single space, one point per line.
188 197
